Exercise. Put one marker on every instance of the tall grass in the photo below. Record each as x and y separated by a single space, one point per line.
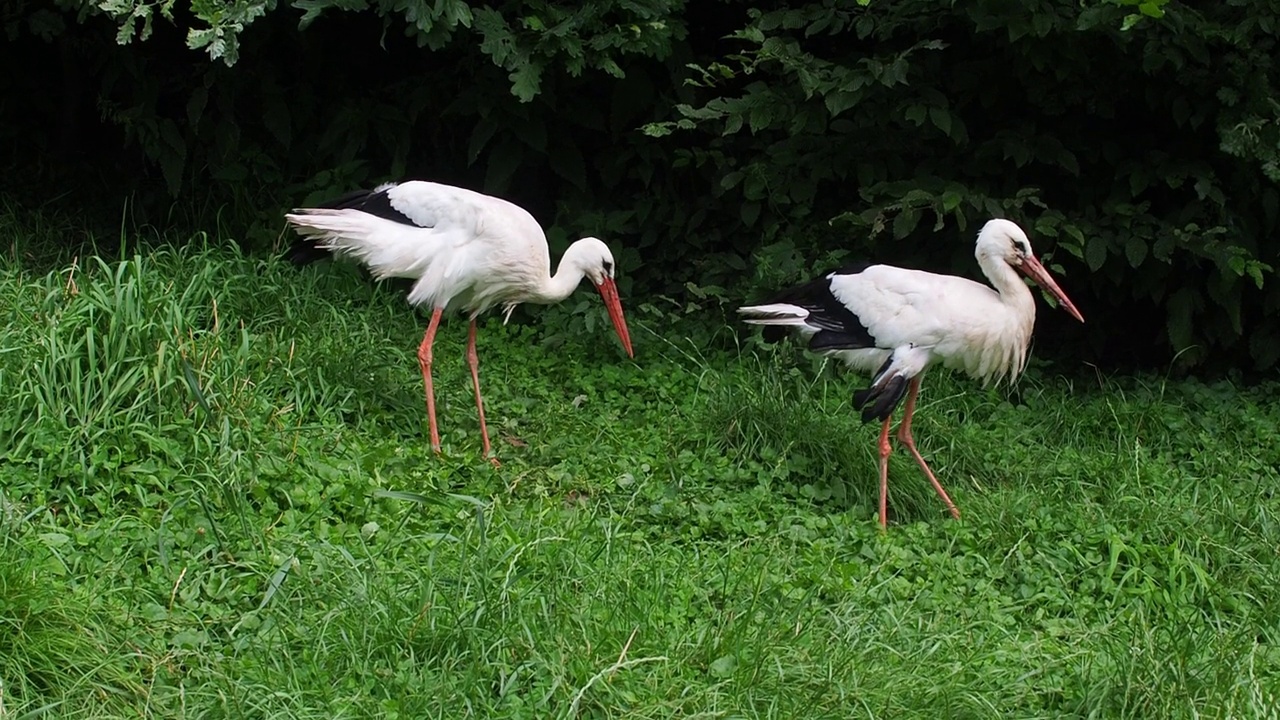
219 501
59 654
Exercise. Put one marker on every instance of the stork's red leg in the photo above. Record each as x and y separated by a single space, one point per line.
885 449
474 361
904 436
424 359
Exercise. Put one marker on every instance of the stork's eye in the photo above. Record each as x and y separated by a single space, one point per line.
608 268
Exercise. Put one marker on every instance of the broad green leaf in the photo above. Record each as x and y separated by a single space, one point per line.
55 539
760 117
905 222
841 100
1257 271
941 119
1095 253
1135 250
526 81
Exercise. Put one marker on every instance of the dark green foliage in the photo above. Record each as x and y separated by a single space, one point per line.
718 143
1148 155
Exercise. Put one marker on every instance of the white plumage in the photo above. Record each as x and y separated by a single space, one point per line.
898 322
464 250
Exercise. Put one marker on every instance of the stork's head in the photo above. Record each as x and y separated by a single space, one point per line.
593 259
1004 240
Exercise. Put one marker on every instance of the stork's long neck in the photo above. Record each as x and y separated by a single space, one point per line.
569 274
1007 355
1014 293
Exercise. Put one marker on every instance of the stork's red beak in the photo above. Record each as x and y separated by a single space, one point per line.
1034 270
609 291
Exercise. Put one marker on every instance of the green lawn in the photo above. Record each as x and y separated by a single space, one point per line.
218 500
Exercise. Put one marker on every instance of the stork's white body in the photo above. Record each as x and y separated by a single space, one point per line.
921 318
464 250
898 322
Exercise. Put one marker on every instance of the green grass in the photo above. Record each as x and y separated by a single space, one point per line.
218 501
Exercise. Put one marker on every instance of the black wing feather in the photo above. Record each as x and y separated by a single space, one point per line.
839 328
374 202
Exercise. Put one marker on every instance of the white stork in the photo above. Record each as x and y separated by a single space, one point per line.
466 251
897 323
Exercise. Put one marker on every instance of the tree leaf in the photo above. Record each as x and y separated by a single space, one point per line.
1095 253
526 81
941 118
905 222
841 100
1135 250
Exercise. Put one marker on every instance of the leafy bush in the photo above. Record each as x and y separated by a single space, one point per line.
1140 138
1148 155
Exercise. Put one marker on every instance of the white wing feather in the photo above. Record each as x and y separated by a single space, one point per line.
465 249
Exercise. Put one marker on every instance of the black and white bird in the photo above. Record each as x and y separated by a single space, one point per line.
897 323
465 250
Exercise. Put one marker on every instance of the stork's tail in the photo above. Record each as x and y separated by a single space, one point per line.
776 317
325 230
306 250
320 230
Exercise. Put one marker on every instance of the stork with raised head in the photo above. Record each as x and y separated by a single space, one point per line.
896 323
465 250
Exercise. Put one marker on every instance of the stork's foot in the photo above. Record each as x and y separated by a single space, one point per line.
495 463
